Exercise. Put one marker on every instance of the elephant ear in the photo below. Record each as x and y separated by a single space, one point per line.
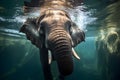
77 35
30 28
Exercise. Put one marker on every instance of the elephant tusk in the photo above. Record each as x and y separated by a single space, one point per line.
49 57
75 54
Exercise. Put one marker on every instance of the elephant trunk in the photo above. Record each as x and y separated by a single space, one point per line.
60 45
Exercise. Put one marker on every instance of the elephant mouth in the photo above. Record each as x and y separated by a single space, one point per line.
50 56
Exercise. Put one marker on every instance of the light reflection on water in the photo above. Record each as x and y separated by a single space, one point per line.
78 16
82 18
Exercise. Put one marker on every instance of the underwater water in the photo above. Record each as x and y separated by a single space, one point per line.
100 53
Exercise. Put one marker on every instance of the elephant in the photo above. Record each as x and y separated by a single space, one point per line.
108 51
55 34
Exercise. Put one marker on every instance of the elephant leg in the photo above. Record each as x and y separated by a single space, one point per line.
45 65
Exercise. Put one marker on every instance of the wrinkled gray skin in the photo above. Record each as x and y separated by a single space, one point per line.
54 31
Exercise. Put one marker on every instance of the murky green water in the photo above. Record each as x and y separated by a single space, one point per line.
100 53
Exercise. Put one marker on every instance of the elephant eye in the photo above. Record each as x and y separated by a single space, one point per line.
67 16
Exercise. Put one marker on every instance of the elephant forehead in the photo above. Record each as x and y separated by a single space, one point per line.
56 12
56 15
57 21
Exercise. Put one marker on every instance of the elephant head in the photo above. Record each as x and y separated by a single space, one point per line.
54 32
